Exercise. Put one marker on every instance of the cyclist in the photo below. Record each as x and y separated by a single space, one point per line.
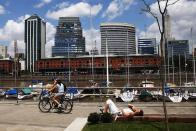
59 86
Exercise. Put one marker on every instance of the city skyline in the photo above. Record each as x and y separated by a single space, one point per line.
126 11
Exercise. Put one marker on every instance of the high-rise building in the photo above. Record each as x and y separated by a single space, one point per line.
68 38
120 38
35 40
167 26
3 51
177 47
147 46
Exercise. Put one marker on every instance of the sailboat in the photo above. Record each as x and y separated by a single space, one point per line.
107 83
2 92
127 95
191 95
172 95
72 91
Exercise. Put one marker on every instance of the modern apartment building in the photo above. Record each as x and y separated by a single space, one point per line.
35 40
3 51
177 47
69 40
147 46
119 38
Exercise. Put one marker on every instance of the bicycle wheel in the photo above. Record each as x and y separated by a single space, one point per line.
66 106
44 105
68 99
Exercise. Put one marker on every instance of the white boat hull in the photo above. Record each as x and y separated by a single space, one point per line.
127 96
175 98
21 97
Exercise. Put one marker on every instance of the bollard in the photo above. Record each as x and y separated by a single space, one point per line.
17 96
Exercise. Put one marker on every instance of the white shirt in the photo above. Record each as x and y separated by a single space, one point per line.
127 110
60 88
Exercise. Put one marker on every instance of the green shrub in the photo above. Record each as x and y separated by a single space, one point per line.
106 118
93 118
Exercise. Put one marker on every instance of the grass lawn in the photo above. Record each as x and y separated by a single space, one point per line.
139 126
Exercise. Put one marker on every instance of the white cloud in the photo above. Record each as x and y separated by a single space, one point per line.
78 9
42 3
152 32
182 19
14 30
62 5
116 8
2 10
91 36
50 32
48 47
20 45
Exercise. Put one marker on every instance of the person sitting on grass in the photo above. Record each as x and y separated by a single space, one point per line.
122 114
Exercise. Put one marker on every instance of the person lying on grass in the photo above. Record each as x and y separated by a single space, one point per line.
121 114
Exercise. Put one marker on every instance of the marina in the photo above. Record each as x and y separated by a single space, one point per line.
85 94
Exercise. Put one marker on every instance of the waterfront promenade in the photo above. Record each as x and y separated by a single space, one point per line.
26 116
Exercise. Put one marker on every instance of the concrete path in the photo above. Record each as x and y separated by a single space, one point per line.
27 117
77 124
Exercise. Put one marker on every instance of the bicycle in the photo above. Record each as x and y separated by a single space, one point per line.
46 104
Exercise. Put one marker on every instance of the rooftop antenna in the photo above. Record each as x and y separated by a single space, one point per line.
15 48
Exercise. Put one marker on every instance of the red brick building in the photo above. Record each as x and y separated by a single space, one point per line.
7 66
83 64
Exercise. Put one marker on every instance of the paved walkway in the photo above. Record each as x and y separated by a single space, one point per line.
27 117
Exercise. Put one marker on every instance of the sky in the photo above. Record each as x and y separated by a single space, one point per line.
14 12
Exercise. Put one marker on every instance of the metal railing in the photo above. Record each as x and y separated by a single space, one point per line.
109 92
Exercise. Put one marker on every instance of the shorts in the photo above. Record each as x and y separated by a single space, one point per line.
59 94
112 107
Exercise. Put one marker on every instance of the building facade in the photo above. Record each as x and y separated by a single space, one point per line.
35 40
118 37
3 51
69 40
177 47
8 66
147 46
83 64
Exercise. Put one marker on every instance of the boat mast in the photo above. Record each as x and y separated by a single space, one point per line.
92 52
185 65
179 69
69 64
168 66
193 55
173 62
107 70
127 59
